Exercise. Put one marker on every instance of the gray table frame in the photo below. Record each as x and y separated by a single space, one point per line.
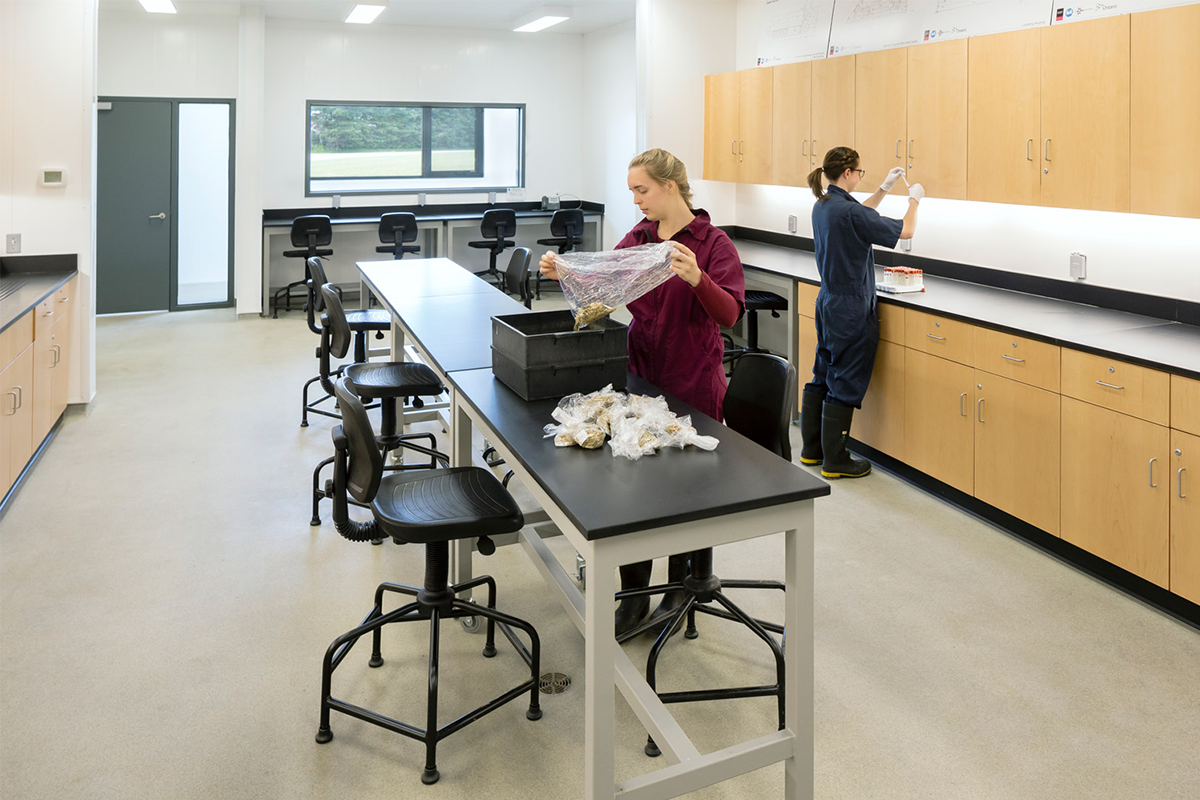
606 664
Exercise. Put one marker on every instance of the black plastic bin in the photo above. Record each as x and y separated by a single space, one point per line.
540 356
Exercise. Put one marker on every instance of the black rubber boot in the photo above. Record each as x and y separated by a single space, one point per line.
632 609
811 452
835 431
677 569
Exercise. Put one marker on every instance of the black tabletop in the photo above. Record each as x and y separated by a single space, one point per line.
606 496
1132 337
421 277
455 330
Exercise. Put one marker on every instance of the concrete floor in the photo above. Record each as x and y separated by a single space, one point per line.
164 606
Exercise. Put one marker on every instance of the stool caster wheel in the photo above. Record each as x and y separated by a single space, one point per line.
324 735
471 625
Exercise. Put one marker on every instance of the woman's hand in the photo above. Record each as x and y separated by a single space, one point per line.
683 264
547 266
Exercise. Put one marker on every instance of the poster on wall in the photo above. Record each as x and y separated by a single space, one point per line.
1084 11
794 30
862 25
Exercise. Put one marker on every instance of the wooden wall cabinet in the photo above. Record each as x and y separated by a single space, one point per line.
1184 479
791 123
738 109
936 149
1116 488
1085 115
833 107
1164 111
880 109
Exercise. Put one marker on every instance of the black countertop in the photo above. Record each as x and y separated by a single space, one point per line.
277 217
26 281
606 496
1149 341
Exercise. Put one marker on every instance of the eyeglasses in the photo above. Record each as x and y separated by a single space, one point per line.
862 173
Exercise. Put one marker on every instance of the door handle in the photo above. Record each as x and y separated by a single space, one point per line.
804 147
1179 477
1011 358
962 404
159 215
910 145
897 149
1153 485
740 143
979 410
1109 385
1046 149
733 147
15 406
57 355
1028 144
814 152
939 338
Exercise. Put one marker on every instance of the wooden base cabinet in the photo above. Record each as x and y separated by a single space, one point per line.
16 417
1017 466
880 421
806 353
1184 478
939 423
1116 488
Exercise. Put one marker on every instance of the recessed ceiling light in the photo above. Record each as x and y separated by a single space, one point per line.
541 19
158 6
364 14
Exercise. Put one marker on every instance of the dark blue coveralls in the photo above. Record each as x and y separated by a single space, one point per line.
847 326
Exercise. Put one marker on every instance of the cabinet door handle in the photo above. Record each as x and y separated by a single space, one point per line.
939 338
57 355
1046 149
1028 144
14 405
1109 385
897 149
910 144
1153 485
979 410
1011 358
814 151
962 404
47 313
733 147
20 401
1179 477
63 299
804 147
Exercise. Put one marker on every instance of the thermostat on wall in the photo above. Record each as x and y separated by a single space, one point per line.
54 177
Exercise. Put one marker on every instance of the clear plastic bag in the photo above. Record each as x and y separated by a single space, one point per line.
596 284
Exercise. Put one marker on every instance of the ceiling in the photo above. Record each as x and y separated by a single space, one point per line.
586 15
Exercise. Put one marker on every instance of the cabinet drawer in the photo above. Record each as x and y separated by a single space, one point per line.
939 336
1138 391
891 323
44 315
15 339
808 299
1025 360
1185 404
64 300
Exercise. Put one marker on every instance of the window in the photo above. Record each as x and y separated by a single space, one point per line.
390 148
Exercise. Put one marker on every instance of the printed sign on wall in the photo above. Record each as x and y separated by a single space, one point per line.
1085 11
863 25
794 30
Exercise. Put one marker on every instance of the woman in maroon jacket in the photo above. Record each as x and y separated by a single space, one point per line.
675 336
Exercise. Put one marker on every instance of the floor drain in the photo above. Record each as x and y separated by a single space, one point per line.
554 683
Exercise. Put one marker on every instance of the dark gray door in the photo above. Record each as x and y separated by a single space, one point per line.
134 211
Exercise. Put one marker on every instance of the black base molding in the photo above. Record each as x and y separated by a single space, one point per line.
11 496
1142 589
1169 308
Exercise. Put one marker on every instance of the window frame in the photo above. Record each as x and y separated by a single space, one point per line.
427 171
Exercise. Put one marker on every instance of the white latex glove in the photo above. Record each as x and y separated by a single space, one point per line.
893 175
916 192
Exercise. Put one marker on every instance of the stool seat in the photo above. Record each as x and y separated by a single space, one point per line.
324 251
407 248
493 244
369 320
757 300
444 504
393 379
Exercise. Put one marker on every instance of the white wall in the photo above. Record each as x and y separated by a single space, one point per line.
168 55
681 42
47 91
609 125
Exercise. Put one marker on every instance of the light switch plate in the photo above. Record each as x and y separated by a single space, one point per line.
791 223
1078 266
12 243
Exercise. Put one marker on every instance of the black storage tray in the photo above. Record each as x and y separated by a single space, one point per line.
547 339
547 383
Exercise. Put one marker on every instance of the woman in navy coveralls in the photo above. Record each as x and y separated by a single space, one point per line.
844 231
675 336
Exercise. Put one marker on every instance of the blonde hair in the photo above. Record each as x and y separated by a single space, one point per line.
661 166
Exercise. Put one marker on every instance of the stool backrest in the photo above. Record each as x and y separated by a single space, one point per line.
758 401
312 231
567 222
516 277
365 462
316 279
398 223
335 318
498 223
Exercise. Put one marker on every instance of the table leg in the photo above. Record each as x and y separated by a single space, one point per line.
460 456
599 715
798 666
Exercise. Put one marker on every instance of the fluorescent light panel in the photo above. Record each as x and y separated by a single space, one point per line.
364 14
541 19
158 6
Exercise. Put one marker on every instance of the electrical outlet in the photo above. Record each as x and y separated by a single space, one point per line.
1079 266
906 245
791 223
12 243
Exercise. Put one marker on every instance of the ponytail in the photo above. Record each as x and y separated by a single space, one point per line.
837 161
